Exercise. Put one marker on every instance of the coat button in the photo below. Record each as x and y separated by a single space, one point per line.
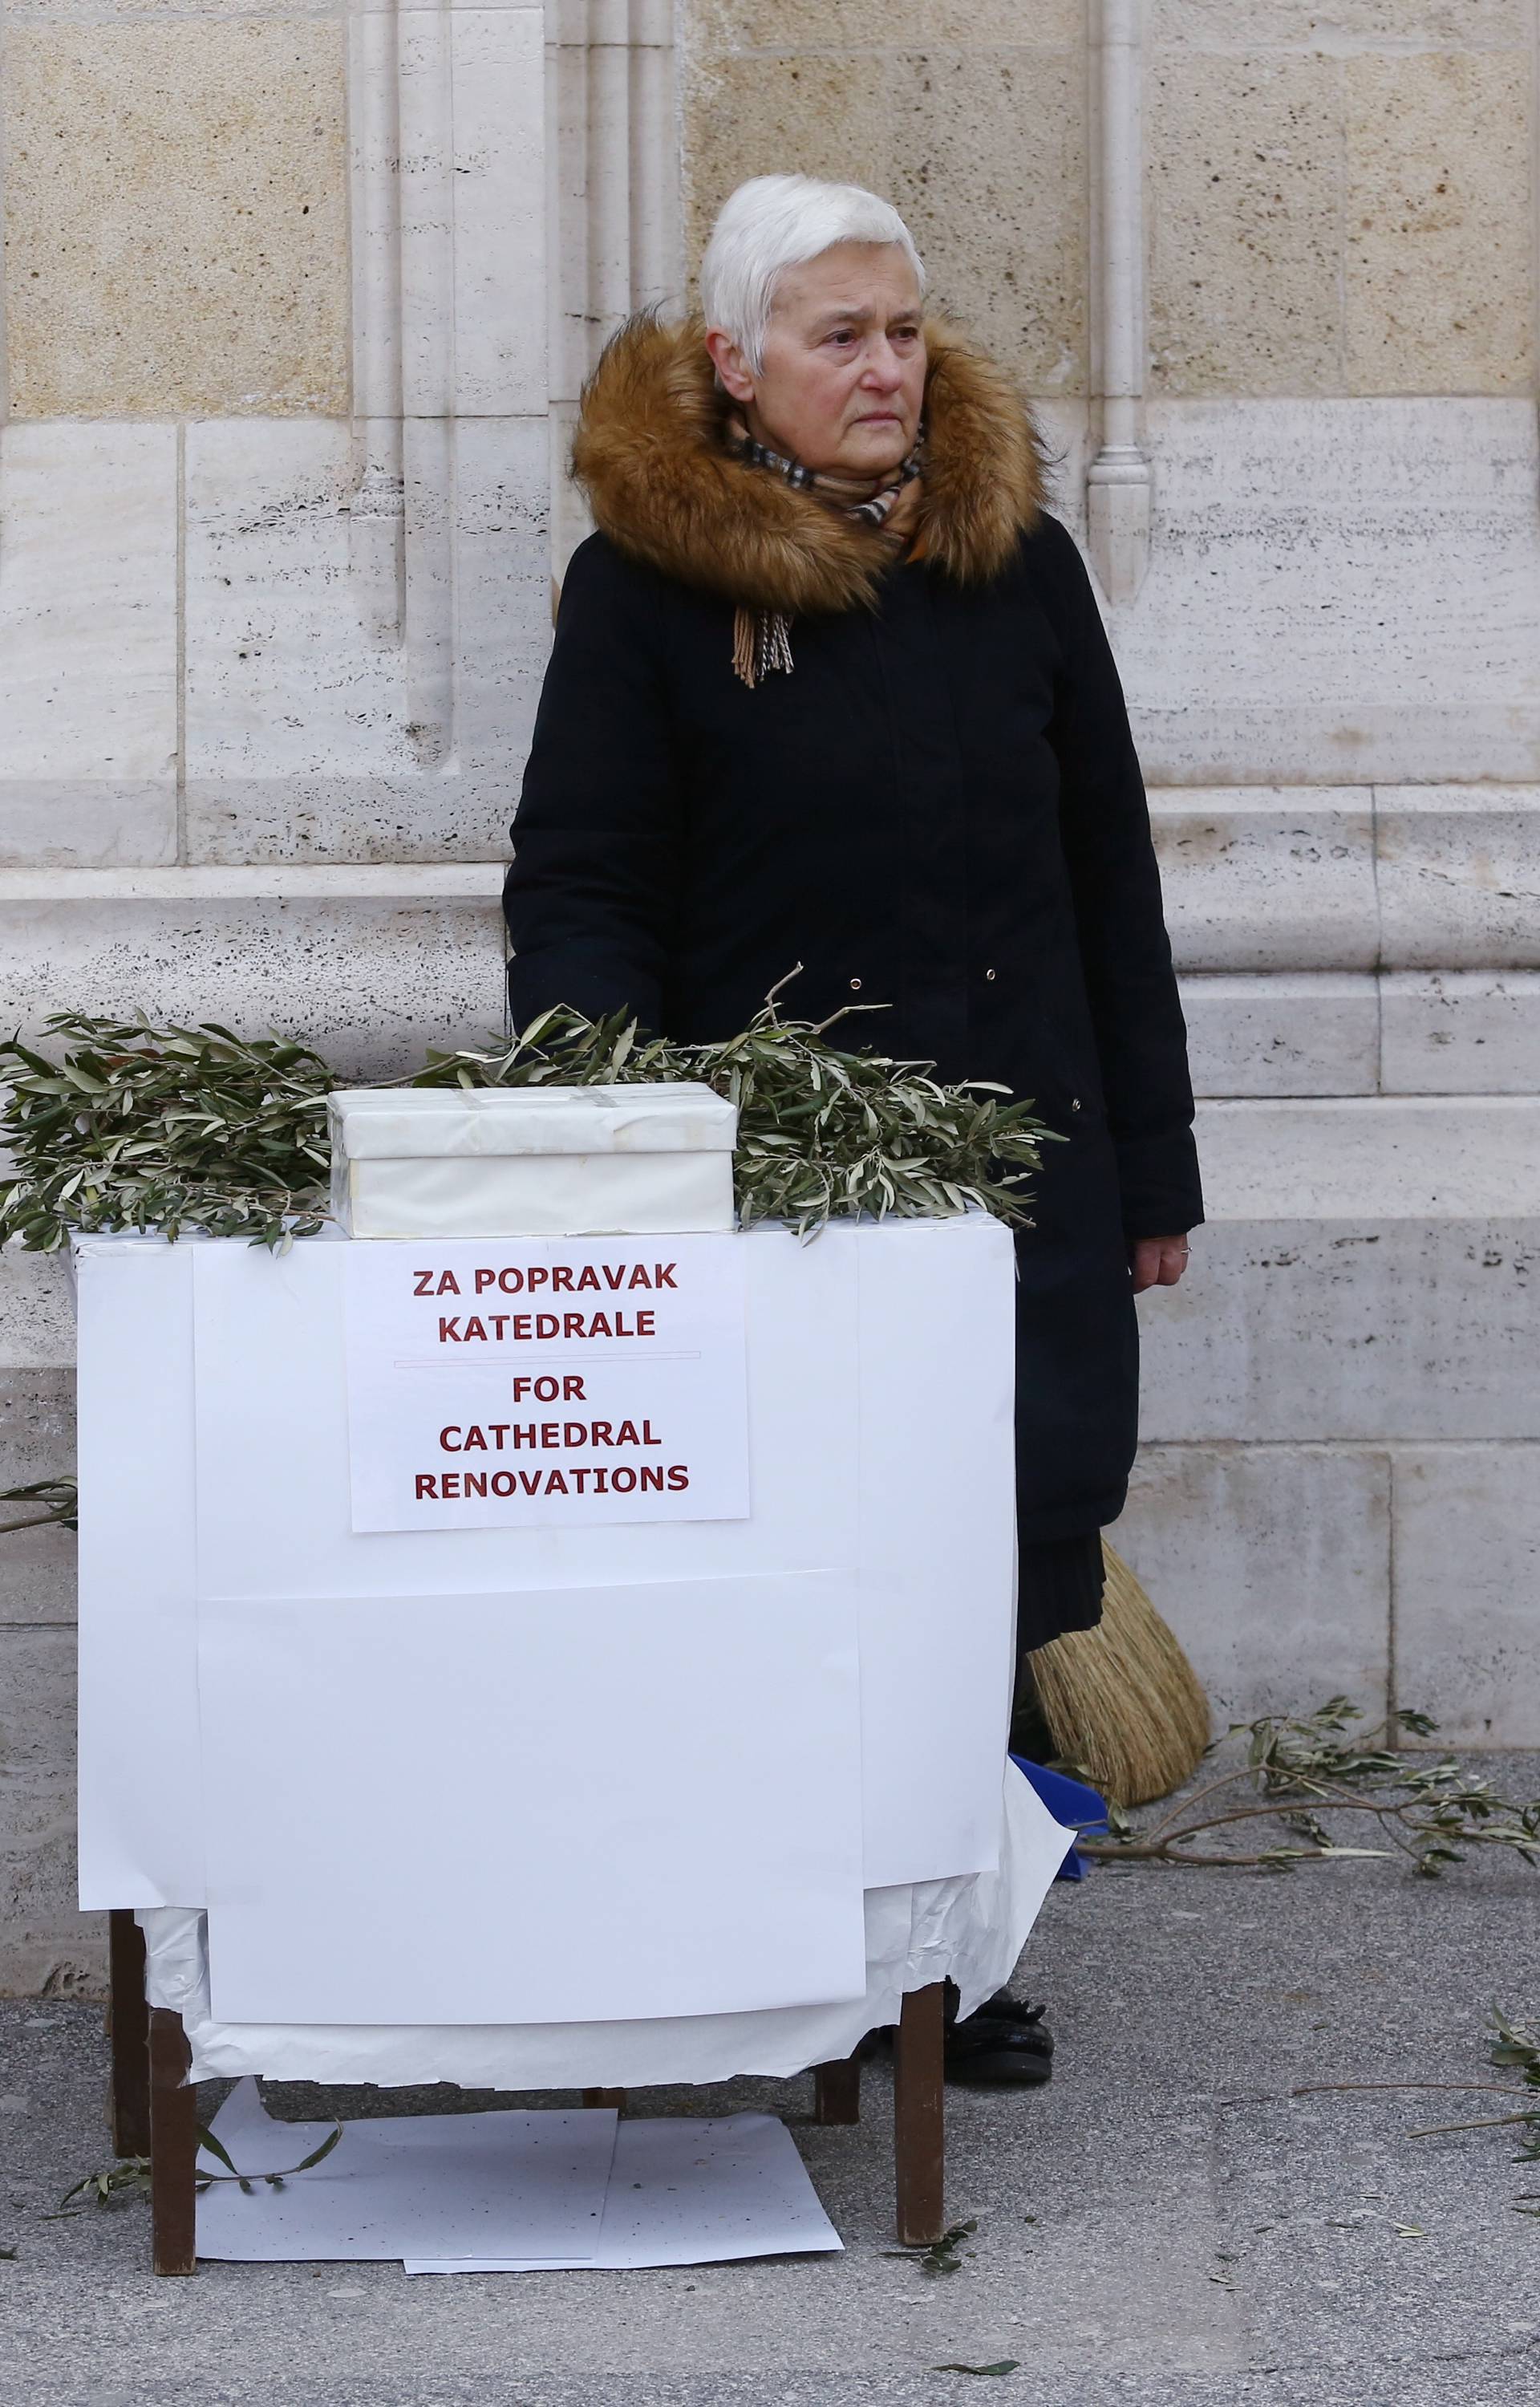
1074 1103
989 974
855 985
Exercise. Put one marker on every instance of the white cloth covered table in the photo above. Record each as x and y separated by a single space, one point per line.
214 1485
969 1930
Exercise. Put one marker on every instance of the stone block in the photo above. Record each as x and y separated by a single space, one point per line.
502 519
1064 422
371 968
1440 265
433 816
1367 1272
498 194
1467 1589
1245 236
805 25
1005 250
36 1441
1318 1306
86 822
336 715
1460 1033
1458 869
1379 1158
449 107
98 12
1256 879
36 1313
1347 26
1273 1566
1351 1329
1336 586
177 217
286 675
571 521
88 644
47 1945
1290 1032
741 117
942 132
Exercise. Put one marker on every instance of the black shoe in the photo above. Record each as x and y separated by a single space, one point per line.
1004 2042
1003 2008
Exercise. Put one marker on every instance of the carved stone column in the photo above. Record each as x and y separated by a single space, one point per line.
613 199
1118 484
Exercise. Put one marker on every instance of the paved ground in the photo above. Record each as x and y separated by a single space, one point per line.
1163 2227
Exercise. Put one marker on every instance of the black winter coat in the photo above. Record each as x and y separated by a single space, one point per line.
938 811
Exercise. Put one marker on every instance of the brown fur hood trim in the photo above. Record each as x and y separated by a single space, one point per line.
663 489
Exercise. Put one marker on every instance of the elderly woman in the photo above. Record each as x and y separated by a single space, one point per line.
829 684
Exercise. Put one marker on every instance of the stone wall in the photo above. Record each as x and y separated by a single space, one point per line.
297 305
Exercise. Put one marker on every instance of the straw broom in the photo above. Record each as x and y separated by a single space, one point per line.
1122 1700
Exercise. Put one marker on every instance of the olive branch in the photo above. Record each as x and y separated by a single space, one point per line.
139 1126
130 2177
1303 1774
57 1497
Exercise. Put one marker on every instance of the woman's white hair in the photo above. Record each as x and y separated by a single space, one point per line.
773 222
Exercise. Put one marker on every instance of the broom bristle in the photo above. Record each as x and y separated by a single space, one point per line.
1122 1699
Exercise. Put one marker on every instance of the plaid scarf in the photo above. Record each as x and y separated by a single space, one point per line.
761 639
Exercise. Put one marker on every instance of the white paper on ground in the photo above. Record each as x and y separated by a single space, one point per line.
577 1804
139 1843
511 2182
971 1930
487 1361
691 2192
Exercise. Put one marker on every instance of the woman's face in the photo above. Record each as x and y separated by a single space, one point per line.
845 373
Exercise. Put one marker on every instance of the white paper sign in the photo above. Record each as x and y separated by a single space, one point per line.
555 1382
547 1806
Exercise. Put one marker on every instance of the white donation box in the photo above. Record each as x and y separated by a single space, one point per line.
530 1161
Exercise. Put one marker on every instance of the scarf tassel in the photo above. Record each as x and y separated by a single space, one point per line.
761 641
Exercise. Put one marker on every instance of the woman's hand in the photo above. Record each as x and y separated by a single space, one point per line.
1157 1261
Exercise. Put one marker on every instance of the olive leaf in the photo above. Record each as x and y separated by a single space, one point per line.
939 2256
128 2178
247 2181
